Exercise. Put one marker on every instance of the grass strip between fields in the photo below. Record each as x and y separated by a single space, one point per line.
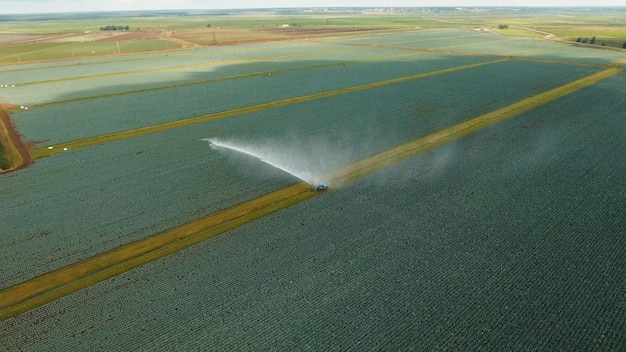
110 137
46 288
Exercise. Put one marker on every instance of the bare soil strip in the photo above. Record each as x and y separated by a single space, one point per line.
54 285
16 152
105 138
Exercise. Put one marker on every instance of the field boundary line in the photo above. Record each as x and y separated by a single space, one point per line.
51 286
105 138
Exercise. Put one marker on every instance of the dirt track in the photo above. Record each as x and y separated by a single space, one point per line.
17 153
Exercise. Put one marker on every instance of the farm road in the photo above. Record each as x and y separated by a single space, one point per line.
51 286
16 153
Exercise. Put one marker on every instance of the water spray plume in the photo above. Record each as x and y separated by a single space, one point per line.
280 158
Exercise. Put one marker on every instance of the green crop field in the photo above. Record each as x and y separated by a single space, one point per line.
476 194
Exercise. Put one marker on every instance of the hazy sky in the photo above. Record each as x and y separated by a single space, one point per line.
35 6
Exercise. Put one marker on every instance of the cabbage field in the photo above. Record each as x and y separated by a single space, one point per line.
510 237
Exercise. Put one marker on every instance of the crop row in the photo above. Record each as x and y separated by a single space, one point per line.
509 239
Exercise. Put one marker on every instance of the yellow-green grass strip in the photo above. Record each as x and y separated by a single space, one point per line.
48 287
105 138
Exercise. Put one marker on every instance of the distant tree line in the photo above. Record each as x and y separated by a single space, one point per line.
611 43
586 40
114 28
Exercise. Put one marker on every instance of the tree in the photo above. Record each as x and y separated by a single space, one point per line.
579 39
593 40
208 25
114 28
503 26
624 45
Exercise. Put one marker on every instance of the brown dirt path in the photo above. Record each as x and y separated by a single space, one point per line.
16 151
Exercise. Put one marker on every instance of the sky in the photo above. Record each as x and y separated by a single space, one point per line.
43 6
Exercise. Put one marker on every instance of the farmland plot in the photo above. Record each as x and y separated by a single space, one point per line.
157 187
112 65
335 128
509 239
490 44
147 108
55 124
467 246
66 89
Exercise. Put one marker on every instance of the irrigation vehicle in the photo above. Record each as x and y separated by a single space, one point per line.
321 187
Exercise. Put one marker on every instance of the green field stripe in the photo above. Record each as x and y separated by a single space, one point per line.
381 160
105 138
48 287
224 79
171 68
